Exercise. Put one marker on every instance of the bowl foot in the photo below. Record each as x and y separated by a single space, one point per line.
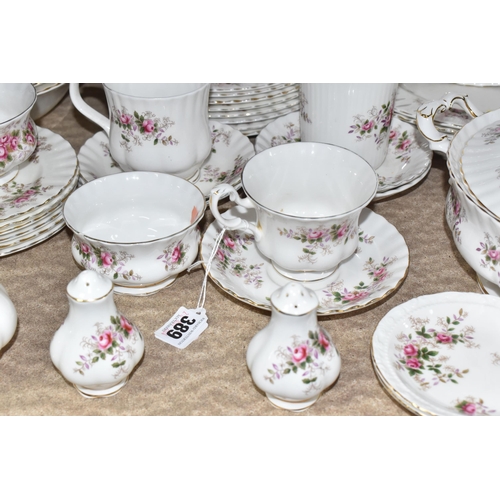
295 406
145 290
86 392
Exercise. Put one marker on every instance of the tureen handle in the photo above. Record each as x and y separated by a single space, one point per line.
438 141
232 222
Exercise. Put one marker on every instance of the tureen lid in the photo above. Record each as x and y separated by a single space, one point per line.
294 299
88 286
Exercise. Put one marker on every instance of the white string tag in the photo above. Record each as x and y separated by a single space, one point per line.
186 325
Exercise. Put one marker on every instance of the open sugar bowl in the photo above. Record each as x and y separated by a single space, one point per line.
18 132
307 197
137 228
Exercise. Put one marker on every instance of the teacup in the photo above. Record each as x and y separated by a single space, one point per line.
308 198
158 127
356 116
137 228
18 132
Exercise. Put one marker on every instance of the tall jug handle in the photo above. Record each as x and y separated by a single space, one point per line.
86 110
438 141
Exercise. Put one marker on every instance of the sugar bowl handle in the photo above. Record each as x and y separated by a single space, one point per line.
222 191
438 141
86 110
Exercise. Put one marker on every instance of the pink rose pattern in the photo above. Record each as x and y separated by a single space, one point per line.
111 344
303 358
320 239
137 128
174 256
420 353
14 195
230 258
101 259
17 142
377 274
375 125
489 249
472 407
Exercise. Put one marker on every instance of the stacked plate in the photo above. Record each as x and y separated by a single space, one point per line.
31 203
249 107
408 159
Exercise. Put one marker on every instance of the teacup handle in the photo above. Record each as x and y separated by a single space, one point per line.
86 110
427 112
224 190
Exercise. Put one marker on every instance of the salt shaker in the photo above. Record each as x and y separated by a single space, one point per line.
293 359
96 348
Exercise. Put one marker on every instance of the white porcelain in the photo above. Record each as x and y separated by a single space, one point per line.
34 239
407 104
308 198
96 348
476 234
137 228
159 127
474 227
293 359
230 152
18 132
409 156
48 98
440 354
240 106
8 318
377 268
355 116
383 195
241 90
41 184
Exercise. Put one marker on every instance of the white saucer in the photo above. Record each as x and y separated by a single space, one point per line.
230 152
243 272
408 160
440 354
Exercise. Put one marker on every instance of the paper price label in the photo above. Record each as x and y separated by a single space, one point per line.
184 327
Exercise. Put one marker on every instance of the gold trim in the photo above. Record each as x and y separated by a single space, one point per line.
31 244
76 171
27 239
476 200
319 313
406 403
82 301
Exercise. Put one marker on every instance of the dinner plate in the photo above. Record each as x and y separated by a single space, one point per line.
408 159
378 267
230 152
440 354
